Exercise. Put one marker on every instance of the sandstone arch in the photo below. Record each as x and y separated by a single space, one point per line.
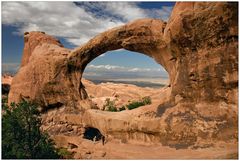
182 46
198 48
144 36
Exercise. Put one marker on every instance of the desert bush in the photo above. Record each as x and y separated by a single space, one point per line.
64 153
147 100
134 104
112 109
110 105
142 102
21 135
122 108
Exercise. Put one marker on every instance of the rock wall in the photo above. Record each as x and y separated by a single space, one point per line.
203 39
198 47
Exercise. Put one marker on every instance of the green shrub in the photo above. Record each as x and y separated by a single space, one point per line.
110 105
122 108
112 109
147 100
21 135
64 153
136 104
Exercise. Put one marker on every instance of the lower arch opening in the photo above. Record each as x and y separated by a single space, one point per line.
93 134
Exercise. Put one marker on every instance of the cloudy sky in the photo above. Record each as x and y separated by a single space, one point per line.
74 23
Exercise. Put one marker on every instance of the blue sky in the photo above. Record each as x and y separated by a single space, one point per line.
74 23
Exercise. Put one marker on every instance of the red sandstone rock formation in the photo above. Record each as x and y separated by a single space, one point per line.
198 47
31 42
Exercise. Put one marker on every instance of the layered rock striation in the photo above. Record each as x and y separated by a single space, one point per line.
198 47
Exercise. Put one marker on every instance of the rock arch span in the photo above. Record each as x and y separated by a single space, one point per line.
197 47
144 36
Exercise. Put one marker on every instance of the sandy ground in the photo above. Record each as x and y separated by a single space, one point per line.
114 149
131 151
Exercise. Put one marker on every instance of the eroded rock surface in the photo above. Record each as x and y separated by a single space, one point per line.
198 47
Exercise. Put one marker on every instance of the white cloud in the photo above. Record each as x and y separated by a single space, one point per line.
127 10
108 67
76 23
114 71
142 69
105 67
102 55
163 13
63 19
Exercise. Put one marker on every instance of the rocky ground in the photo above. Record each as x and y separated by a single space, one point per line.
116 149
69 131
121 94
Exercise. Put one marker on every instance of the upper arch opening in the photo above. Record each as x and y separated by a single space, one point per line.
144 36
126 67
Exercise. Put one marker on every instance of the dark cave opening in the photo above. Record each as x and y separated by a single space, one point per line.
5 89
91 133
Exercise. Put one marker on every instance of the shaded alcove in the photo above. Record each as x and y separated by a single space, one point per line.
92 133
5 89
